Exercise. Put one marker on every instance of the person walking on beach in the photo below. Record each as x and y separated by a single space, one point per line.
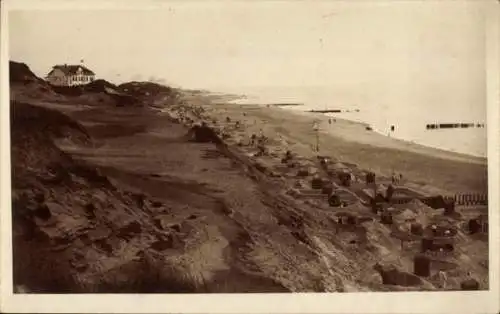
434 229
283 142
261 136
442 279
389 192
394 178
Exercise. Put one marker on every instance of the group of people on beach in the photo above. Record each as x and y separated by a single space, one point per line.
256 140
396 178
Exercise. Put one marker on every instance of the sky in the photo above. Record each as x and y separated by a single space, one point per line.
388 47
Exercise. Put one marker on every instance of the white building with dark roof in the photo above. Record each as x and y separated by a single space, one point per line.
70 75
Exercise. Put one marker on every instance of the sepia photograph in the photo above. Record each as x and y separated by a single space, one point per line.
249 148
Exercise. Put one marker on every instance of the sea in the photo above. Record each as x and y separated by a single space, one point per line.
408 117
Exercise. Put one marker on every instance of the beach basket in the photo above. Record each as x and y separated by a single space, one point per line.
422 266
351 220
327 189
469 285
426 245
386 218
303 172
474 226
389 192
416 229
316 183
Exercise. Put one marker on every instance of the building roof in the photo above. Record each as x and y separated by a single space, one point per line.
71 69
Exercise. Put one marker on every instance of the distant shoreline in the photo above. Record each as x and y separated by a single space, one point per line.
325 113
395 138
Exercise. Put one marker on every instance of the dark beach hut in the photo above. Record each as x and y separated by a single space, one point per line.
478 224
303 172
474 226
421 266
389 192
435 245
316 183
416 229
469 285
386 218
435 202
327 188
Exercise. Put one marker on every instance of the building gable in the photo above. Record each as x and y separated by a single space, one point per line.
57 73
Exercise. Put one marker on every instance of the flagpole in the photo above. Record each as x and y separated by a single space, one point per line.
316 129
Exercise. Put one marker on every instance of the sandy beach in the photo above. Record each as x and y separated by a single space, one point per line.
424 168
123 193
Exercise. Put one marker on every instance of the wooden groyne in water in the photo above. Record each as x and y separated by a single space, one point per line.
454 126
286 104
